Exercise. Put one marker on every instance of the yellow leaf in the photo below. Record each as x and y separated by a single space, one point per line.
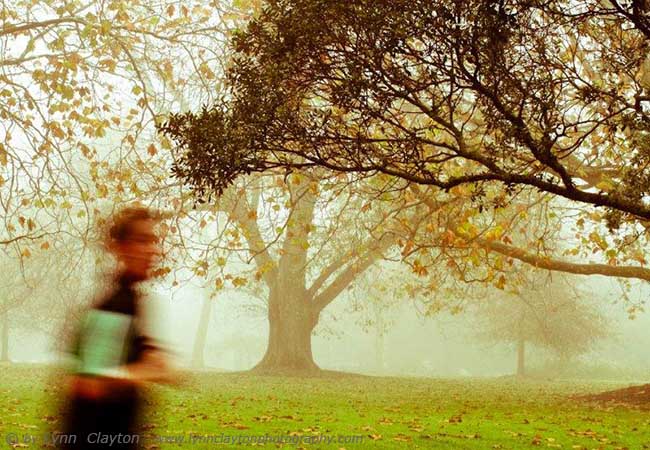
606 185
239 281
3 155
102 191
56 130
151 149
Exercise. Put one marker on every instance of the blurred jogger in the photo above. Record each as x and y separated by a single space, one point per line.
114 356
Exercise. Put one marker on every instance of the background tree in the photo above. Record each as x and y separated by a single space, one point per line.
375 295
548 313
82 84
198 349
38 297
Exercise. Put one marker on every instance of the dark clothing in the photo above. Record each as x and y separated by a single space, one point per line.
108 339
103 425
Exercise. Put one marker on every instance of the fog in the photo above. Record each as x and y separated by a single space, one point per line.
439 345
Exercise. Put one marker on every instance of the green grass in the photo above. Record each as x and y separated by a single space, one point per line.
388 412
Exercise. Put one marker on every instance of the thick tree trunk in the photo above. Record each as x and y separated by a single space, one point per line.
198 351
4 357
290 327
521 354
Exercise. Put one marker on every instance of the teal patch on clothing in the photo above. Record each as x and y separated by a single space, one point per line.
104 343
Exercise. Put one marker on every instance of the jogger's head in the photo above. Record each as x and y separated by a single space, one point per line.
132 239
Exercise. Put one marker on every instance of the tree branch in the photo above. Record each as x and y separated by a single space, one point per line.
16 29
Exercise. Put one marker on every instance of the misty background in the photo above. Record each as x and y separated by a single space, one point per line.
393 338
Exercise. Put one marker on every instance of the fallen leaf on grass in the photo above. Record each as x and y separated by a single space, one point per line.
462 436
402 438
263 418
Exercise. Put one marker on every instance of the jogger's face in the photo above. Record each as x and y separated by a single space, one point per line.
141 250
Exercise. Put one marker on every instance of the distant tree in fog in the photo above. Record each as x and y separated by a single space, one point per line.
549 313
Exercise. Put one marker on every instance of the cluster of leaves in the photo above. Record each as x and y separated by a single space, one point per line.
82 84
544 94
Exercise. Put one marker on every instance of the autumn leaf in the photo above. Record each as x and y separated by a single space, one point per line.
3 155
501 282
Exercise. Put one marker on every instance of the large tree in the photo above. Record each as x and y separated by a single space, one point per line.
511 91
309 239
546 96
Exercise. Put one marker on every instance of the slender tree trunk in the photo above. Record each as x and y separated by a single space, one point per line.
5 336
290 327
380 352
521 354
198 352
379 342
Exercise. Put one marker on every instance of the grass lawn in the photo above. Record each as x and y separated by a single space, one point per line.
385 413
